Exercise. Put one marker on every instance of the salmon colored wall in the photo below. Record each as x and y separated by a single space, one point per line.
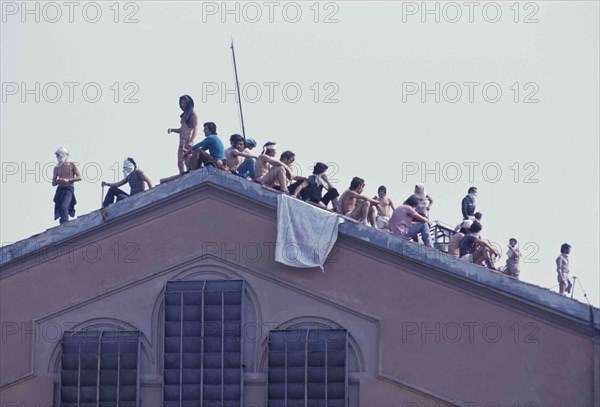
434 335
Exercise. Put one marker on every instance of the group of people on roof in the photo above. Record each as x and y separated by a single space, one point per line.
410 220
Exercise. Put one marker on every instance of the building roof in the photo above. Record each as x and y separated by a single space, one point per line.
434 260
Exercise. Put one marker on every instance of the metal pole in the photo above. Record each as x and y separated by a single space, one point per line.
237 85
573 288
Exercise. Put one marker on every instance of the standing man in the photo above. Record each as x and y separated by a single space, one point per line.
514 257
468 203
562 268
65 174
384 210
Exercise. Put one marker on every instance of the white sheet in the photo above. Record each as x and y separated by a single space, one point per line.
305 234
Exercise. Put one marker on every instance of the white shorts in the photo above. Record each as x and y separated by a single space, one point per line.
382 221
468 258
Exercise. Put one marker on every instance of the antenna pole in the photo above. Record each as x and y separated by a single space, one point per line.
237 85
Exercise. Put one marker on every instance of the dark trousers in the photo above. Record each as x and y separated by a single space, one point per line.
200 158
328 197
112 194
64 204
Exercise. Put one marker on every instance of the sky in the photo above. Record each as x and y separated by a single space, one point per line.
499 95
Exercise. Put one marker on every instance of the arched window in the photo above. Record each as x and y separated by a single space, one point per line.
203 349
100 367
310 360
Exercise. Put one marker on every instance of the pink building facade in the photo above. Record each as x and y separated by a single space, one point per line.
175 299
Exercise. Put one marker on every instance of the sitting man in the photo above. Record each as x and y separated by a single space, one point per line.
136 179
266 160
402 222
197 156
248 167
279 175
454 242
311 189
357 206
475 250
235 155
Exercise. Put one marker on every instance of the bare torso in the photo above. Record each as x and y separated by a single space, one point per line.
384 208
65 171
232 160
262 166
347 201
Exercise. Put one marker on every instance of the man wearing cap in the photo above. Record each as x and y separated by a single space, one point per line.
248 167
65 174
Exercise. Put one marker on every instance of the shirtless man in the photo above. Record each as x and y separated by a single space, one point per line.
383 210
235 155
64 176
265 161
562 268
279 175
357 206
473 249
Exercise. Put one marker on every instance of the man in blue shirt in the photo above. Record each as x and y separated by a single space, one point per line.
212 143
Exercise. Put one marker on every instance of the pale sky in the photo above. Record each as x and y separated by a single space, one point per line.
351 83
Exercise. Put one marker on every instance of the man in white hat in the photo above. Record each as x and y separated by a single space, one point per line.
65 174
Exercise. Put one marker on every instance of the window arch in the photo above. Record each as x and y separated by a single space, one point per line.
309 361
98 362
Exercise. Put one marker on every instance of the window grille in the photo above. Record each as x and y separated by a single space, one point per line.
100 369
203 352
308 368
